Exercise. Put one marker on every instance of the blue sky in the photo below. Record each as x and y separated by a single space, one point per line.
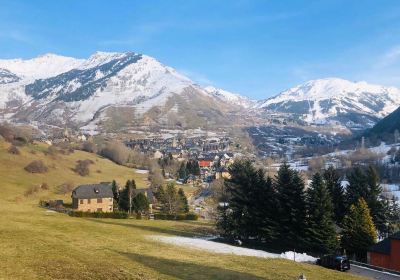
255 48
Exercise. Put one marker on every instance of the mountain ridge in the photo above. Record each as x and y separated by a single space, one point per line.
60 90
334 99
82 90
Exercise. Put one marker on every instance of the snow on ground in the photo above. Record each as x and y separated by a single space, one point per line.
221 248
142 171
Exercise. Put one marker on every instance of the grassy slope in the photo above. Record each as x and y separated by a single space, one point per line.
15 180
36 244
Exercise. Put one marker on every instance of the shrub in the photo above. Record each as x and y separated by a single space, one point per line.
110 215
51 151
13 150
65 188
7 132
117 152
192 216
32 190
82 167
59 204
89 147
179 217
20 141
36 166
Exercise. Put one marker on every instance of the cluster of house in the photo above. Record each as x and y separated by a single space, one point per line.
278 141
213 154
216 165
66 135
180 147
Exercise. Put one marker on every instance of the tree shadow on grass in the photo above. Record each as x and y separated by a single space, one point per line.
184 231
186 270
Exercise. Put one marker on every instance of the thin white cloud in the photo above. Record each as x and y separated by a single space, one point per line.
196 77
390 57
15 35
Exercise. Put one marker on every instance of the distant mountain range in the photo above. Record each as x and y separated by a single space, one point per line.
114 91
109 91
352 104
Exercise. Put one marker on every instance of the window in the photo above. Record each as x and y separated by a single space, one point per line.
99 200
111 199
88 201
81 201
99 209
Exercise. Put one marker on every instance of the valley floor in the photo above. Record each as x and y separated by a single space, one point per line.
41 244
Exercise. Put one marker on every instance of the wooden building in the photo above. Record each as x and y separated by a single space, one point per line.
386 253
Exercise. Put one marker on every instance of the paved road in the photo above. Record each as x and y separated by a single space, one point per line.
372 274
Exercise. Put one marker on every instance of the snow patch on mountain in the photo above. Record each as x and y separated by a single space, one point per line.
141 85
232 98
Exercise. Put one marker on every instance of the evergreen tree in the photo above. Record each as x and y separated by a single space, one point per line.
393 216
115 190
321 227
184 202
357 188
182 171
246 214
334 186
159 194
133 183
266 211
189 167
292 208
126 196
170 203
140 203
359 231
374 200
196 168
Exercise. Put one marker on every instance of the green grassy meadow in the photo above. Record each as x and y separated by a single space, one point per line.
38 244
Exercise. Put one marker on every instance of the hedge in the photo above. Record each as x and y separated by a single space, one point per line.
112 215
179 217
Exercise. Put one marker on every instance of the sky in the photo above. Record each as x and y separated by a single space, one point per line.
255 48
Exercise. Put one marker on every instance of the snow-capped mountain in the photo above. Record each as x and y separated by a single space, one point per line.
108 89
229 97
325 100
40 67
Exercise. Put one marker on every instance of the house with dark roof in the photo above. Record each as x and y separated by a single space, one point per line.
222 173
386 253
93 198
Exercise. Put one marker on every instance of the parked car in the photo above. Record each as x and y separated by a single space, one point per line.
337 262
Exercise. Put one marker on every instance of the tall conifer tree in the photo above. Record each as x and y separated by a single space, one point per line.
292 208
321 227
334 186
375 202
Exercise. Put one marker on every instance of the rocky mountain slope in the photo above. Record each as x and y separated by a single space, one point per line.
109 90
386 128
353 104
